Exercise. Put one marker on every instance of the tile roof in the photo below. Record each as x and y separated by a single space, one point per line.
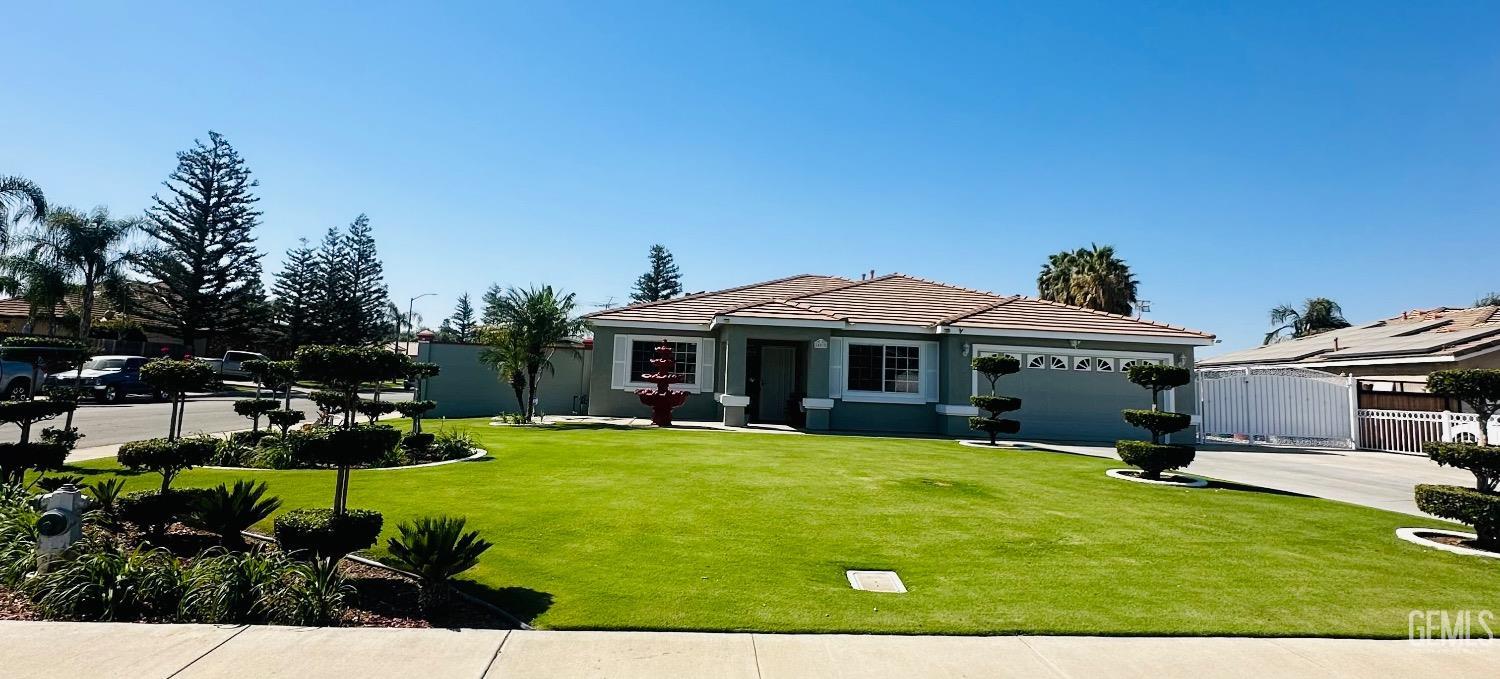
140 296
1439 333
893 299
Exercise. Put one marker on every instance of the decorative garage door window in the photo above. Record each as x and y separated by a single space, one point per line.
1103 364
1059 363
1037 361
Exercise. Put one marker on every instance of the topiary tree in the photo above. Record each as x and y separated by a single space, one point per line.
374 410
418 374
994 367
1479 389
284 419
176 378
1155 457
415 410
254 409
168 457
345 370
273 375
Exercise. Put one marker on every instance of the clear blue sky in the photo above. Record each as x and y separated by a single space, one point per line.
1237 157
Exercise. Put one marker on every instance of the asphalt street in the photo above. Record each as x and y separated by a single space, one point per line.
140 418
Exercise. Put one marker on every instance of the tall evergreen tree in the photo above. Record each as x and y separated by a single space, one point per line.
369 321
462 323
204 262
663 280
296 291
330 298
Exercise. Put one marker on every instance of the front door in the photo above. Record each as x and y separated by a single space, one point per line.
778 379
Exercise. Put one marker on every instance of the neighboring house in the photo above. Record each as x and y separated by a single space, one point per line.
1394 354
62 320
889 353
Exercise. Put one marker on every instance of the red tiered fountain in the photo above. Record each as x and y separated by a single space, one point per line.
661 399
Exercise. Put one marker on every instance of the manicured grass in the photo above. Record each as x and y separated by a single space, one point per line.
649 529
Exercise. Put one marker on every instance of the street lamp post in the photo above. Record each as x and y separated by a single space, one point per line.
409 305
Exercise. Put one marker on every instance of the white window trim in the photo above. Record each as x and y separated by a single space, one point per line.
926 392
1169 401
704 369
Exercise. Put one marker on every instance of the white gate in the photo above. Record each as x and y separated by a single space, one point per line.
1277 406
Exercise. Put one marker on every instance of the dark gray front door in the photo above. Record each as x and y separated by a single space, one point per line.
778 377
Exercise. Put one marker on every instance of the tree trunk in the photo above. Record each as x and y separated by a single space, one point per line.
532 379
86 323
172 420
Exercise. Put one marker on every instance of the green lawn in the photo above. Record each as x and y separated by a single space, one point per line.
684 530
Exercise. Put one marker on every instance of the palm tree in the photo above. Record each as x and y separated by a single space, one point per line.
1318 314
1091 277
91 247
536 320
506 358
42 284
19 199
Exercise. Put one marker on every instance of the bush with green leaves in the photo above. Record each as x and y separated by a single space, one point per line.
435 549
17 458
107 583
450 444
226 511
18 535
1478 509
284 419
1481 461
255 408
321 533
48 484
992 368
176 378
374 410
417 442
167 457
48 354
1478 388
154 510
273 375
1155 456
416 410
48 452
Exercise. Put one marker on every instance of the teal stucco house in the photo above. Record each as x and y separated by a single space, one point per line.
885 354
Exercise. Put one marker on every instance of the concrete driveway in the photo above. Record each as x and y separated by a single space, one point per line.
1379 480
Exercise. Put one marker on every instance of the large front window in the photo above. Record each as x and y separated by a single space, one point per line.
885 368
684 353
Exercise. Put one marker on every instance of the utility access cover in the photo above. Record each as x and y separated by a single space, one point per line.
876 581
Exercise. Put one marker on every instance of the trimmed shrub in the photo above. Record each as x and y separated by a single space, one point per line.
284 419
1481 461
345 368
154 510
352 447
23 413
1154 458
1480 510
436 549
1158 422
331 402
417 442
226 511
321 533
254 409
16 458
993 367
374 409
65 437
1478 388
167 457
996 404
415 409
1158 377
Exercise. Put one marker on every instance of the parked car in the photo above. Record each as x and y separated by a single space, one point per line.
15 379
109 379
229 367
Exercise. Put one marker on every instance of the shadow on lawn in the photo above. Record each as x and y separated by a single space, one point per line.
523 603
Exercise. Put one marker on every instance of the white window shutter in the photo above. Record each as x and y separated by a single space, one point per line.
618 376
706 365
836 367
928 359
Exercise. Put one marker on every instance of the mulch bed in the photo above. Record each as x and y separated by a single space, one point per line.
1166 477
382 598
1455 541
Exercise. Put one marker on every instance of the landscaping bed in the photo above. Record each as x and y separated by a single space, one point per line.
632 528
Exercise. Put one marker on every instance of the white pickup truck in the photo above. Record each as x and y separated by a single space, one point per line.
15 379
229 367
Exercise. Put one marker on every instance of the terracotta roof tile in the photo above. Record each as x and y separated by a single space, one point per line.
701 308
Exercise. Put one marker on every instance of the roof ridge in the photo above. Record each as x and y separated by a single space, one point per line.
1097 312
977 310
696 295
845 286
949 285
782 301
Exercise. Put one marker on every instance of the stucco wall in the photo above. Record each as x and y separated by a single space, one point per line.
608 402
466 387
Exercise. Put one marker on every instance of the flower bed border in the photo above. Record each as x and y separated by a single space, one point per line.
478 454
1413 536
1189 481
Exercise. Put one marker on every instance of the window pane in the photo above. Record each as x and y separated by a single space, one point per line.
864 367
902 374
685 353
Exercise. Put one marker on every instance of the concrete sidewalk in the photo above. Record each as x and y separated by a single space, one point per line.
1380 480
52 649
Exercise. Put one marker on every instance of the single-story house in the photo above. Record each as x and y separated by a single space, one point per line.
887 353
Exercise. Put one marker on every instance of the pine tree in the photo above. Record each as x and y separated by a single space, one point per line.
462 324
296 290
330 299
369 320
204 261
662 281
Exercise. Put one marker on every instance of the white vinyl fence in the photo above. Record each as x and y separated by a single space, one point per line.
1277 406
1404 431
